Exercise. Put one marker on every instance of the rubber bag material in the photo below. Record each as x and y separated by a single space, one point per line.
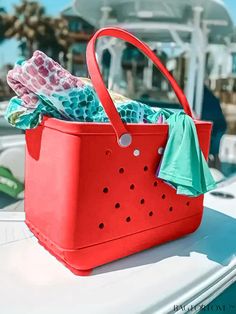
89 200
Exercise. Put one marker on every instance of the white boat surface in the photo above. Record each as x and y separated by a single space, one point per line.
178 277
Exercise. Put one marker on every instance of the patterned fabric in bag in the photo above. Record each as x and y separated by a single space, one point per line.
43 87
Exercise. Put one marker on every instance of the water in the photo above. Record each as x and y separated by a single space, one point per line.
224 303
228 170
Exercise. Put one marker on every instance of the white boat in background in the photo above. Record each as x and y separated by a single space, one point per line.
187 27
6 128
183 276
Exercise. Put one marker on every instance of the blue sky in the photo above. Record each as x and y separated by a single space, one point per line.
8 50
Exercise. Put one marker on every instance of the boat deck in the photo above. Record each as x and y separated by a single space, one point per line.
189 272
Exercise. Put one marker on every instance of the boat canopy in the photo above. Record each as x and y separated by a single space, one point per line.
191 26
140 16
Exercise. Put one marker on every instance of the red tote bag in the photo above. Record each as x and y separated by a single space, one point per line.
89 197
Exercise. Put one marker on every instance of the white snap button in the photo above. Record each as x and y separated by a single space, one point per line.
136 152
125 140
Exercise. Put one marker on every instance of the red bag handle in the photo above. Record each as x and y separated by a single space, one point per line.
123 136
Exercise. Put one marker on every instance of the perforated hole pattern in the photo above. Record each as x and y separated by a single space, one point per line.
142 201
132 187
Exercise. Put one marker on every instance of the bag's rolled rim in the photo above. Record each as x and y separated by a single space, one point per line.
74 127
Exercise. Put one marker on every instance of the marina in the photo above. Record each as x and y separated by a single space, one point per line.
192 274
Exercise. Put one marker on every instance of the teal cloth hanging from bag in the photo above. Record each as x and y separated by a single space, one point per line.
183 164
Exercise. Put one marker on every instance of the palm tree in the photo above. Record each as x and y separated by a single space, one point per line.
5 23
2 24
35 30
